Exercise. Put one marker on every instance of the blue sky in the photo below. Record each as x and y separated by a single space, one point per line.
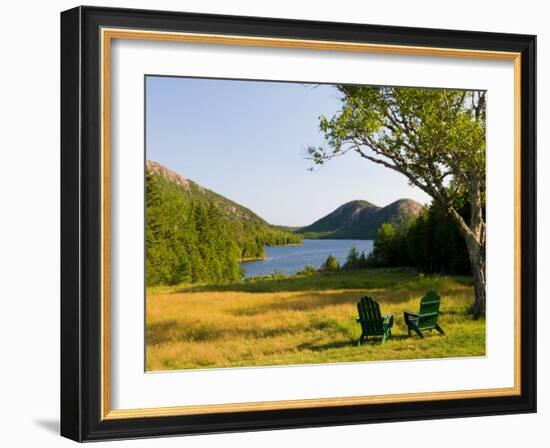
247 141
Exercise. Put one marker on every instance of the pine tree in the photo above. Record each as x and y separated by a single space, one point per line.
352 260
330 264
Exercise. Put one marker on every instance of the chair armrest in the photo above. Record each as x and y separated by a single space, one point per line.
410 317
388 320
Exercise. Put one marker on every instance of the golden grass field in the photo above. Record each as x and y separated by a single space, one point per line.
303 320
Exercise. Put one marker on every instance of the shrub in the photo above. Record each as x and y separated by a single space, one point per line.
330 264
307 271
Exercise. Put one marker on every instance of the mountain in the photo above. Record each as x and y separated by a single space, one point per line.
227 207
360 219
194 235
343 217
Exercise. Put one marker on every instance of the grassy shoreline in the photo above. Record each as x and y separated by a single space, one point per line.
306 319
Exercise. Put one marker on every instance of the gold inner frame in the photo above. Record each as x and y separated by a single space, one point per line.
107 35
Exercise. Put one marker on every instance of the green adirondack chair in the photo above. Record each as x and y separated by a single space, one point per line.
427 317
372 322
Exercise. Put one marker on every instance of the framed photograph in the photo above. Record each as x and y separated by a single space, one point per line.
273 223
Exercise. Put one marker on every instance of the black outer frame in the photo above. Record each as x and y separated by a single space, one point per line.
81 220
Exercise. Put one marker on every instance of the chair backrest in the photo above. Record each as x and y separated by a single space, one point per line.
429 310
369 316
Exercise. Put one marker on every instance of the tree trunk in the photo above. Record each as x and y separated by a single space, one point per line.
474 237
476 253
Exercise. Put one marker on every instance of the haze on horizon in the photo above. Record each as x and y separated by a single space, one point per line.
247 140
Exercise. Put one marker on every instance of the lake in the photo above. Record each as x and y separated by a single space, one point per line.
291 259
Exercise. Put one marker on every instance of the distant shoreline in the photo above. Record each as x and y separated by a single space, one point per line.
250 259
338 239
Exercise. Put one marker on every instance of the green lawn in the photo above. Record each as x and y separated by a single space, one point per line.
303 319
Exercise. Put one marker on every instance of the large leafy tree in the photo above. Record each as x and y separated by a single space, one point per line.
434 137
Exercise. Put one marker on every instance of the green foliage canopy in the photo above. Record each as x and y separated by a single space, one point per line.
434 137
